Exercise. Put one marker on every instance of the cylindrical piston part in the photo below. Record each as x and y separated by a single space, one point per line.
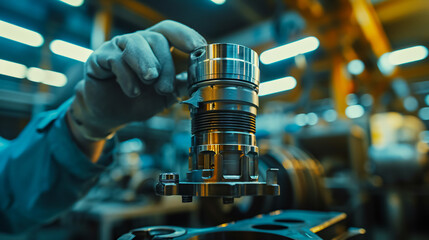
226 62
224 101
223 159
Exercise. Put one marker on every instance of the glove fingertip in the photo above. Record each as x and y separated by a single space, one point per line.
150 74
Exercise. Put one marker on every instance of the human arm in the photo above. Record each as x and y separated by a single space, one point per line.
43 172
59 155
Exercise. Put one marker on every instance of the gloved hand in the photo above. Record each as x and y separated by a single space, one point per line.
130 78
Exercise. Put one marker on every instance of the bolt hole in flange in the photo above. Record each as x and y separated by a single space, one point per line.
269 227
234 235
282 220
160 232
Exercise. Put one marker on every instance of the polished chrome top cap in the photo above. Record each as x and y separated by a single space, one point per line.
224 61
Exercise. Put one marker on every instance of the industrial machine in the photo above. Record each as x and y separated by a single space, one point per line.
223 160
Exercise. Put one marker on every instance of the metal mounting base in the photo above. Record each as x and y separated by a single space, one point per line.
169 185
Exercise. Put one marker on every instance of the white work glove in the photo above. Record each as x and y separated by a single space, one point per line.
130 78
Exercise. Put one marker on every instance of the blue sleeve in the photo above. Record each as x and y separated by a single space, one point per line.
43 172
3 143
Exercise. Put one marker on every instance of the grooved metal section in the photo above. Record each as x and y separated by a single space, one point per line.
223 121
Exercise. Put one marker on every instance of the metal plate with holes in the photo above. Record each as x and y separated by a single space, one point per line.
278 225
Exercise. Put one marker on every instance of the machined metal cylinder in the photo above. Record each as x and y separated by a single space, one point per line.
223 158
223 107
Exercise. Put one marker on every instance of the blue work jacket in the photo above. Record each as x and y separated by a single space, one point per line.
43 172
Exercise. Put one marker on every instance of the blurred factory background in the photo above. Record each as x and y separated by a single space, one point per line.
344 108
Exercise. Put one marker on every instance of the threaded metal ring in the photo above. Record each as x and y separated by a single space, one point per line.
224 121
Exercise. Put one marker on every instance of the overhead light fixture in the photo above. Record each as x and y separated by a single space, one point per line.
388 61
33 74
355 67
407 55
276 86
70 50
12 69
20 34
74 3
46 77
355 111
289 50
218 2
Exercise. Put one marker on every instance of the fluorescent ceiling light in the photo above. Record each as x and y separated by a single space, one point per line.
407 55
355 111
276 86
17 70
74 3
218 2
12 69
388 61
289 50
21 35
70 50
47 77
355 67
